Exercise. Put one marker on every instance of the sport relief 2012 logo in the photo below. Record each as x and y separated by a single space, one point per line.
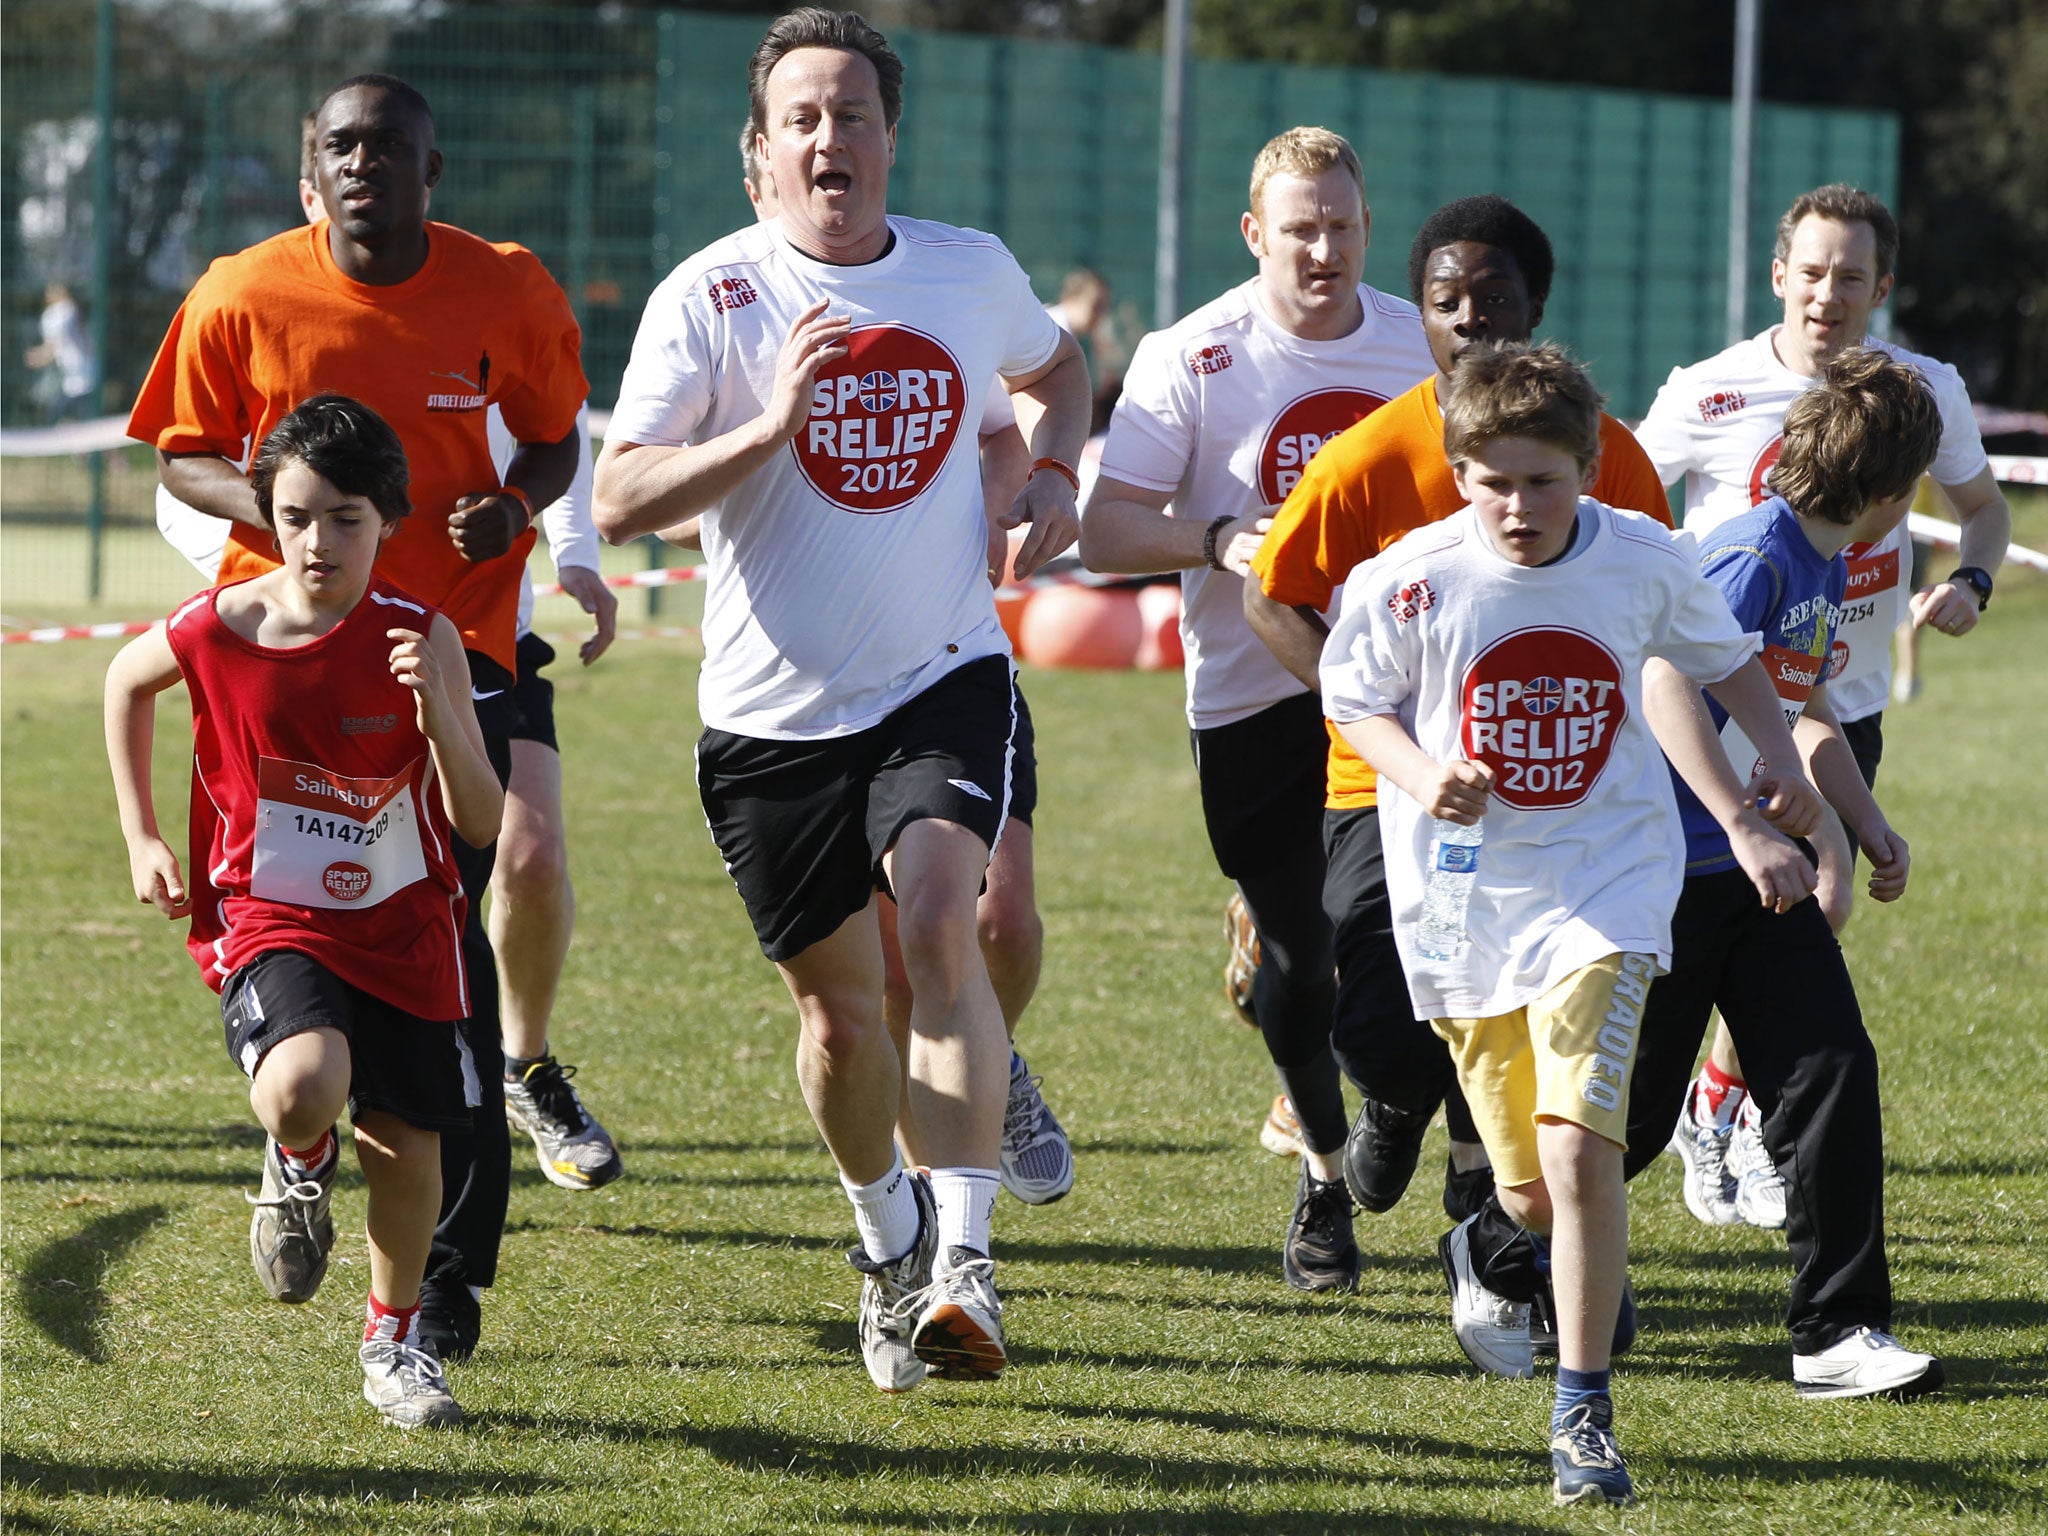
1766 457
1542 708
882 420
1304 425
346 881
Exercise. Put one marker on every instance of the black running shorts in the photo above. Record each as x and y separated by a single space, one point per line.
1263 784
413 1068
803 825
534 694
1024 765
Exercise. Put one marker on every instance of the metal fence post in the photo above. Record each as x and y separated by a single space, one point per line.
582 194
102 273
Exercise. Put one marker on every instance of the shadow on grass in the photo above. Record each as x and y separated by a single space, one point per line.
1952 1481
785 1453
683 1237
62 1285
260 1487
44 1134
1209 1521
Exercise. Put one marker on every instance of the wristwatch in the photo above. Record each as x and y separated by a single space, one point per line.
1978 581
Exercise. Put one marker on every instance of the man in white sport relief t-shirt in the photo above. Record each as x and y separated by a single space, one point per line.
1220 414
811 388
1718 424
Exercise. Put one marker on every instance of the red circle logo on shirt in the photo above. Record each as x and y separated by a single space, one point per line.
1766 456
883 418
1302 427
1838 659
1542 708
346 881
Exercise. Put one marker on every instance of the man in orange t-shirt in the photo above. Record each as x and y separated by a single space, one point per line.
1480 271
429 326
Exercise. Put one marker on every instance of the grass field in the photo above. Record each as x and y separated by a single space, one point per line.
676 1352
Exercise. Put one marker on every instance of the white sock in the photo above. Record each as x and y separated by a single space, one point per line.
885 1213
967 1204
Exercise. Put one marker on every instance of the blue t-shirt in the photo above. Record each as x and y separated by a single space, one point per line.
1778 585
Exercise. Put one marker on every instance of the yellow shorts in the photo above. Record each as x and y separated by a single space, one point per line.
1566 1056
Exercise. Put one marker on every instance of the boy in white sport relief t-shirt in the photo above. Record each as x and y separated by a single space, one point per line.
1488 667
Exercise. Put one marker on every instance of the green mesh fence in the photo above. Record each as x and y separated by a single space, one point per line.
606 142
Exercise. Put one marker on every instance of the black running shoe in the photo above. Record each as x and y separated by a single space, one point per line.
1319 1254
450 1319
1465 1193
1381 1152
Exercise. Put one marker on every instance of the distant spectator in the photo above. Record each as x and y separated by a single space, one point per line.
72 376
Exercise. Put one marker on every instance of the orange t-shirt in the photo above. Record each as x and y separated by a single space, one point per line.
478 325
1378 481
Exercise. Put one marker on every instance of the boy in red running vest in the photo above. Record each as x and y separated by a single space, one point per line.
334 749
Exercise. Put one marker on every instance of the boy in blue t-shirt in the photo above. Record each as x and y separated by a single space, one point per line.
1855 446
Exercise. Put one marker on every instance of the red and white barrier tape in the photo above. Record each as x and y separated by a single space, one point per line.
662 577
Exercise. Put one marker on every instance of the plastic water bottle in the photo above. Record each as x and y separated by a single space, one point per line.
1453 869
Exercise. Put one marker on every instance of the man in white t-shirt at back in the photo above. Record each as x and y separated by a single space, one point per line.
1220 414
1719 424
810 388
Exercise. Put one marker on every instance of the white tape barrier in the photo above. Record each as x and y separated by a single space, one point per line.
104 434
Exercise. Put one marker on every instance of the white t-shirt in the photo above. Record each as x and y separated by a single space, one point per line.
1538 673
1720 424
1225 410
850 573
572 537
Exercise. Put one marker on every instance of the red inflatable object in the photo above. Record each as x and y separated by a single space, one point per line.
1082 627
1159 608
1010 605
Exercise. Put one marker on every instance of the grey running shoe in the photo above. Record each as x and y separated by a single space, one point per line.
1493 1331
1320 1253
890 1294
960 1327
1709 1186
1759 1191
575 1151
1037 1159
290 1231
404 1383
1585 1459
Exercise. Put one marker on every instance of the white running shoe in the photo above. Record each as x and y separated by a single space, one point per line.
960 1329
1868 1363
890 1294
1241 967
1759 1192
404 1383
1493 1331
290 1231
1281 1134
1037 1159
1709 1186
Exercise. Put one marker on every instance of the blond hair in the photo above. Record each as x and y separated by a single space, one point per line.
1522 389
1303 152
1862 434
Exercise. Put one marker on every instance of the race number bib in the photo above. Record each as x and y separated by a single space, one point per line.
326 840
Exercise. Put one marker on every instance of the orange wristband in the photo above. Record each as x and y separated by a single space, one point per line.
1058 467
524 500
